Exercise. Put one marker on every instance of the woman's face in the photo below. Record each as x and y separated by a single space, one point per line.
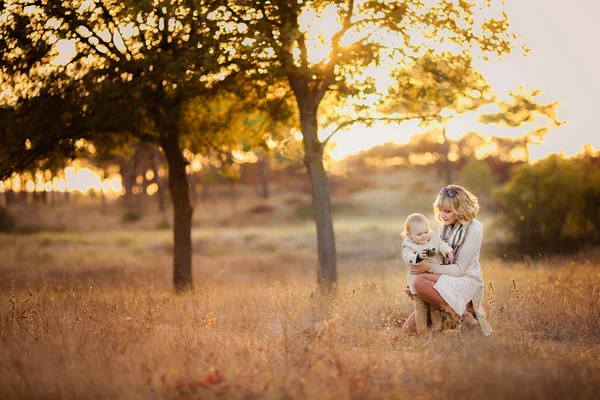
447 216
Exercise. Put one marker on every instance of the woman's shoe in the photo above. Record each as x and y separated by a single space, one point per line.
469 321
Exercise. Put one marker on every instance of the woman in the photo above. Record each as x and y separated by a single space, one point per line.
451 287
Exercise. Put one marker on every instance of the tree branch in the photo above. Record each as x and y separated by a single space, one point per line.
375 119
74 22
111 18
333 55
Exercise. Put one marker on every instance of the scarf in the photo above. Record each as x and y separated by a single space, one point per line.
454 235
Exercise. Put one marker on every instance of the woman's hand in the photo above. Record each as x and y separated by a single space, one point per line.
420 268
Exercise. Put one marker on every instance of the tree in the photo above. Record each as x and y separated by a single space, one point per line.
247 125
444 85
549 206
358 35
469 143
524 110
478 177
133 68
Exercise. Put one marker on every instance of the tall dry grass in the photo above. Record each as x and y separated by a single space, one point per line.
72 325
89 314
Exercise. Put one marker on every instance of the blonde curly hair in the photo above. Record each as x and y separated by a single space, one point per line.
464 204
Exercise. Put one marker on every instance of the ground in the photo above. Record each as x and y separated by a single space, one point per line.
87 309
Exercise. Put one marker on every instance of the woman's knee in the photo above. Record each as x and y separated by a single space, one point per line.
421 283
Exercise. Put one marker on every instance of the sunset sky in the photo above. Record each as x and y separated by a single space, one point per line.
563 63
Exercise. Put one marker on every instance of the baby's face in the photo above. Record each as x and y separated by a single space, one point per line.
419 233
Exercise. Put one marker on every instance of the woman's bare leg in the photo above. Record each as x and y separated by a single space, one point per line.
469 315
430 277
424 287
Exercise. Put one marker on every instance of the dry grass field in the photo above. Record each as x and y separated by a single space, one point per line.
89 315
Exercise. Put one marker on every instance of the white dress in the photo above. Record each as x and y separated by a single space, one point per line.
461 282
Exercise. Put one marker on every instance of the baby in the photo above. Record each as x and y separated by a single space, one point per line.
421 243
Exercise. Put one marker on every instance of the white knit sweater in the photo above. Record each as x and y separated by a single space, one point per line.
466 259
466 264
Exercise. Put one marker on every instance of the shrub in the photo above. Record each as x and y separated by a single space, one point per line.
163 225
477 176
6 221
305 210
552 206
131 216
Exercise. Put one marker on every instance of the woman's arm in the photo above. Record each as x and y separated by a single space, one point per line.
469 249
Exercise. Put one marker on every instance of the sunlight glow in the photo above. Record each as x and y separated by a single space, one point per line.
16 184
82 180
244 157
518 154
106 186
152 189
486 150
359 137
196 165
321 28
60 185
66 51
116 184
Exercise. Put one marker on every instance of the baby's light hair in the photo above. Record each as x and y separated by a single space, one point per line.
464 204
412 219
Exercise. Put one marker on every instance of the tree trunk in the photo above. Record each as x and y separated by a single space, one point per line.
160 193
263 166
448 172
447 165
53 191
23 197
182 213
192 182
313 159
127 169
526 151
9 195
233 195
103 201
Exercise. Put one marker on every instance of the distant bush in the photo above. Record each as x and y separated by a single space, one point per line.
131 216
6 221
552 206
305 210
262 209
477 176
163 225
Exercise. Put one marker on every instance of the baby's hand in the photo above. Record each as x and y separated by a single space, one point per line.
449 255
423 254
